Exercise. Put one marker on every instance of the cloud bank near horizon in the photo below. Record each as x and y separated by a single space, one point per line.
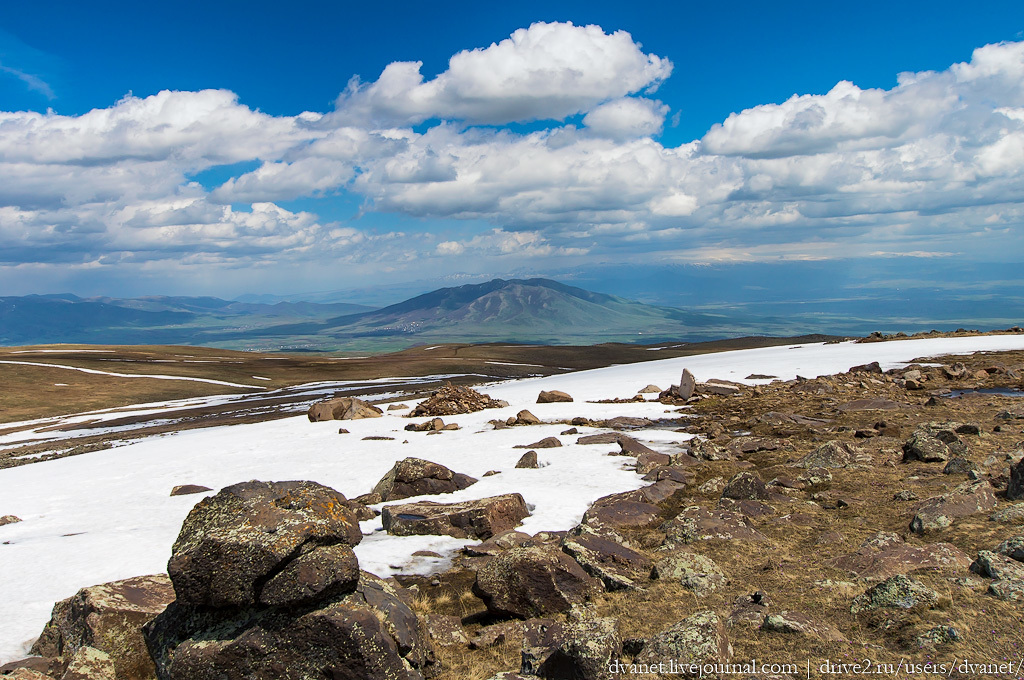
543 145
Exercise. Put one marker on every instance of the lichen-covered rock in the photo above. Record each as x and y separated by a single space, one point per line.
581 650
368 633
605 558
798 623
231 542
834 454
746 486
446 631
107 618
938 635
342 408
699 524
533 581
695 572
553 396
478 519
965 500
697 639
899 591
26 674
1013 514
9 519
1012 547
705 449
89 663
417 477
934 443
319 571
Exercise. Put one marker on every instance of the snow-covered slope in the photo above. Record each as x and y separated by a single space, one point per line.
107 515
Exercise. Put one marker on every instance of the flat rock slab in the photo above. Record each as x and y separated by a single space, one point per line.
618 567
478 519
876 404
939 512
884 554
699 524
189 489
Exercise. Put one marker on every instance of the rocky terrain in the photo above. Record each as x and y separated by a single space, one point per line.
867 517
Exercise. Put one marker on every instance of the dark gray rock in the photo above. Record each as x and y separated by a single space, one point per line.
368 633
418 477
581 650
531 582
232 542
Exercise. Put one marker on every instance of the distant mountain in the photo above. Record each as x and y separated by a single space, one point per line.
536 311
530 310
41 319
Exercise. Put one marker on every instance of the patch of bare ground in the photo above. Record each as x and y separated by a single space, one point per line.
33 391
829 534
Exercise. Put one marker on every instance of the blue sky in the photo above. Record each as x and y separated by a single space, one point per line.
225 148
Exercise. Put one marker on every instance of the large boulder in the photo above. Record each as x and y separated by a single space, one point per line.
108 619
232 542
452 400
418 477
533 581
369 633
553 396
939 512
479 519
342 408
